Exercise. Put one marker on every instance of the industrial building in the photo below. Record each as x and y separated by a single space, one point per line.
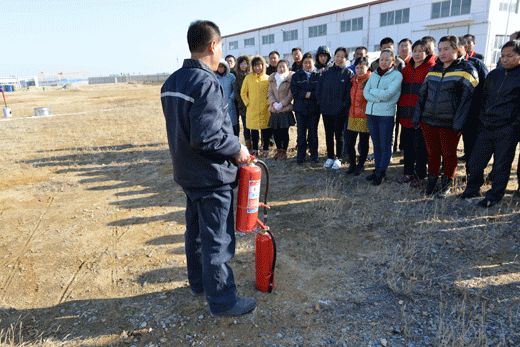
13 83
490 21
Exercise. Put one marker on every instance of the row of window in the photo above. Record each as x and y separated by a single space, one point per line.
509 6
439 10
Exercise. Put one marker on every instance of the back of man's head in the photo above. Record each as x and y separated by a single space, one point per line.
200 34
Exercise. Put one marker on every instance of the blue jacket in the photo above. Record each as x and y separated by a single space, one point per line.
228 83
300 85
200 136
383 92
332 91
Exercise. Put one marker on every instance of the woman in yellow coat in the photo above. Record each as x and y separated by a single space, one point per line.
254 96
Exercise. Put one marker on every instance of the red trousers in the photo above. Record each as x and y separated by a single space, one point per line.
439 142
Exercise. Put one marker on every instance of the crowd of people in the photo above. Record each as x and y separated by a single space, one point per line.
415 101
435 99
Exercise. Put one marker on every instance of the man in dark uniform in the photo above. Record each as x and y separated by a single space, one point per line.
499 131
205 152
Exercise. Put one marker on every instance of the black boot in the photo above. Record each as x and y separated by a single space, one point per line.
351 169
446 183
371 177
432 185
378 179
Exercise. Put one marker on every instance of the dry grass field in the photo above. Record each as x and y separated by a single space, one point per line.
91 244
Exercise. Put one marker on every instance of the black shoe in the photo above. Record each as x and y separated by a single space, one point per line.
446 183
468 194
371 177
359 170
243 306
432 185
194 293
486 203
378 179
463 158
351 169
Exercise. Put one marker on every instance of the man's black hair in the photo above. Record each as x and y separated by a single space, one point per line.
297 49
362 47
462 41
274 52
405 40
200 34
470 37
385 41
230 56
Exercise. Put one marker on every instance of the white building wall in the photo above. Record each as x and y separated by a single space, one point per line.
485 21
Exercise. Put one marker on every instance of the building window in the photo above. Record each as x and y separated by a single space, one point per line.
318 30
450 8
351 25
267 39
506 6
233 45
249 42
497 47
394 17
290 35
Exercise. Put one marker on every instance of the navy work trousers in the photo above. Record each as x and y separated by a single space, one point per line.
210 244
501 144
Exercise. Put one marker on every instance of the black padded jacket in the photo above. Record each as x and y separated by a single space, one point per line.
446 94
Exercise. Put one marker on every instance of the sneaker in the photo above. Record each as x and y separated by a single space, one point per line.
336 165
328 163
243 306
404 179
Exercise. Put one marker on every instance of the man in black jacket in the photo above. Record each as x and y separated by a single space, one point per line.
499 134
274 58
297 56
204 152
470 47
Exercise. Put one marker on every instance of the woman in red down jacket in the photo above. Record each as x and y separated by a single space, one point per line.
412 140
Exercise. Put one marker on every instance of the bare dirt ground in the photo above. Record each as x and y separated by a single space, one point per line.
92 254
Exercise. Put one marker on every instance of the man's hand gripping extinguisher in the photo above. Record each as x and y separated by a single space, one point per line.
247 222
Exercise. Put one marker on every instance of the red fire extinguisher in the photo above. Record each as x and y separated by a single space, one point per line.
247 222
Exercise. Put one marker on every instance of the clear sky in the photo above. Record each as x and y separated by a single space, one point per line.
125 36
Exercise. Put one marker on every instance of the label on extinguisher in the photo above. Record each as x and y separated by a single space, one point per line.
253 196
